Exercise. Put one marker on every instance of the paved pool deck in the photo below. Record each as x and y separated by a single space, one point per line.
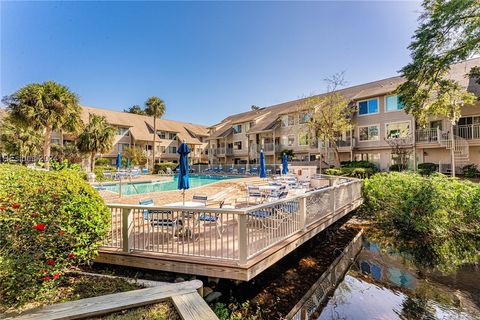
230 190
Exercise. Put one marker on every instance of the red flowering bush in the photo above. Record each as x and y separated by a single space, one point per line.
49 221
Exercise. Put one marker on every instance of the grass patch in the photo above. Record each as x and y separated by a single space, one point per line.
160 311
74 287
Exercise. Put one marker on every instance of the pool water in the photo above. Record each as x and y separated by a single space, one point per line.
164 185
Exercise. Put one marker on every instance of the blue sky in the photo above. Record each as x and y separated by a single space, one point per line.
207 60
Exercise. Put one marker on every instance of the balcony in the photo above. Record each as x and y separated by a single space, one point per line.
468 131
429 135
271 147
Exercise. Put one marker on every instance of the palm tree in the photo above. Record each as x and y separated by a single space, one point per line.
154 107
97 137
18 139
46 106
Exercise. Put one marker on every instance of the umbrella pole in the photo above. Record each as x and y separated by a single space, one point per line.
183 192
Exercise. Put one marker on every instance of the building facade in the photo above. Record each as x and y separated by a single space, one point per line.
378 122
137 131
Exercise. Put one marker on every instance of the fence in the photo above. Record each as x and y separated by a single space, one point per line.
222 233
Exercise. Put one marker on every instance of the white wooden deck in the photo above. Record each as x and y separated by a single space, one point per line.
226 243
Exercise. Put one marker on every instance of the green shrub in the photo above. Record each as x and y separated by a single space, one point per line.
427 168
334 172
358 164
360 173
162 167
49 221
471 171
436 219
102 162
99 170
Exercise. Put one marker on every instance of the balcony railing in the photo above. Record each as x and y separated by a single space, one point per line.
469 131
429 135
238 234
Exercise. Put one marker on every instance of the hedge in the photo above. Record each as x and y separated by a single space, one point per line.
49 221
360 173
427 168
162 167
436 219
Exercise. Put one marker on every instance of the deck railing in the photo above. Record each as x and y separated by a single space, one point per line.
222 233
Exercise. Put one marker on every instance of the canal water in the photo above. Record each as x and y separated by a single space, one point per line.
382 284
362 280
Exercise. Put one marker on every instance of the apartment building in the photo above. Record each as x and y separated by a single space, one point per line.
379 119
137 130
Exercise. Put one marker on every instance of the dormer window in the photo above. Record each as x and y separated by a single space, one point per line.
122 131
237 128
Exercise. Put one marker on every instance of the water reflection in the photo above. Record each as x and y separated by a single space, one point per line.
386 285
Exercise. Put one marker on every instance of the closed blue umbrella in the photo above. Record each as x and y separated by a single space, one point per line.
284 164
119 161
263 170
183 179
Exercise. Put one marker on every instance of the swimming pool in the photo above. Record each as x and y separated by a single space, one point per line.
163 185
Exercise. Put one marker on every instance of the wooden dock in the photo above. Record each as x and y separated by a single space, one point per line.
225 243
189 304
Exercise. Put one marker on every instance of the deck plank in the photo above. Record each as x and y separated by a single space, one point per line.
96 306
191 306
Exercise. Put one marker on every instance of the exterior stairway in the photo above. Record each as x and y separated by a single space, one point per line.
460 148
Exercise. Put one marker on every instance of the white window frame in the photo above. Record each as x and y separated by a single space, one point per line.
385 103
393 122
367 126
368 114
288 142
307 139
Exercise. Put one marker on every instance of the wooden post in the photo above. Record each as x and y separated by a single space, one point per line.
127 228
332 200
242 239
303 213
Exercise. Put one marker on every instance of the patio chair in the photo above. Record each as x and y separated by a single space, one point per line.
254 192
200 198
279 193
144 171
242 171
107 174
254 170
270 218
160 218
213 219
134 173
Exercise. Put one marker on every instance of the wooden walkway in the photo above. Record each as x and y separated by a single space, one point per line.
189 304
225 243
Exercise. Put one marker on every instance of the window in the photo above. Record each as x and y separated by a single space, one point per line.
172 149
237 128
436 124
162 134
303 139
393 103
284 121
291 141
291 119
122 146
122 131
237 145
463 121
304 117
371 157
172 136
368 133
252 124
368 106
55 141
397 130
